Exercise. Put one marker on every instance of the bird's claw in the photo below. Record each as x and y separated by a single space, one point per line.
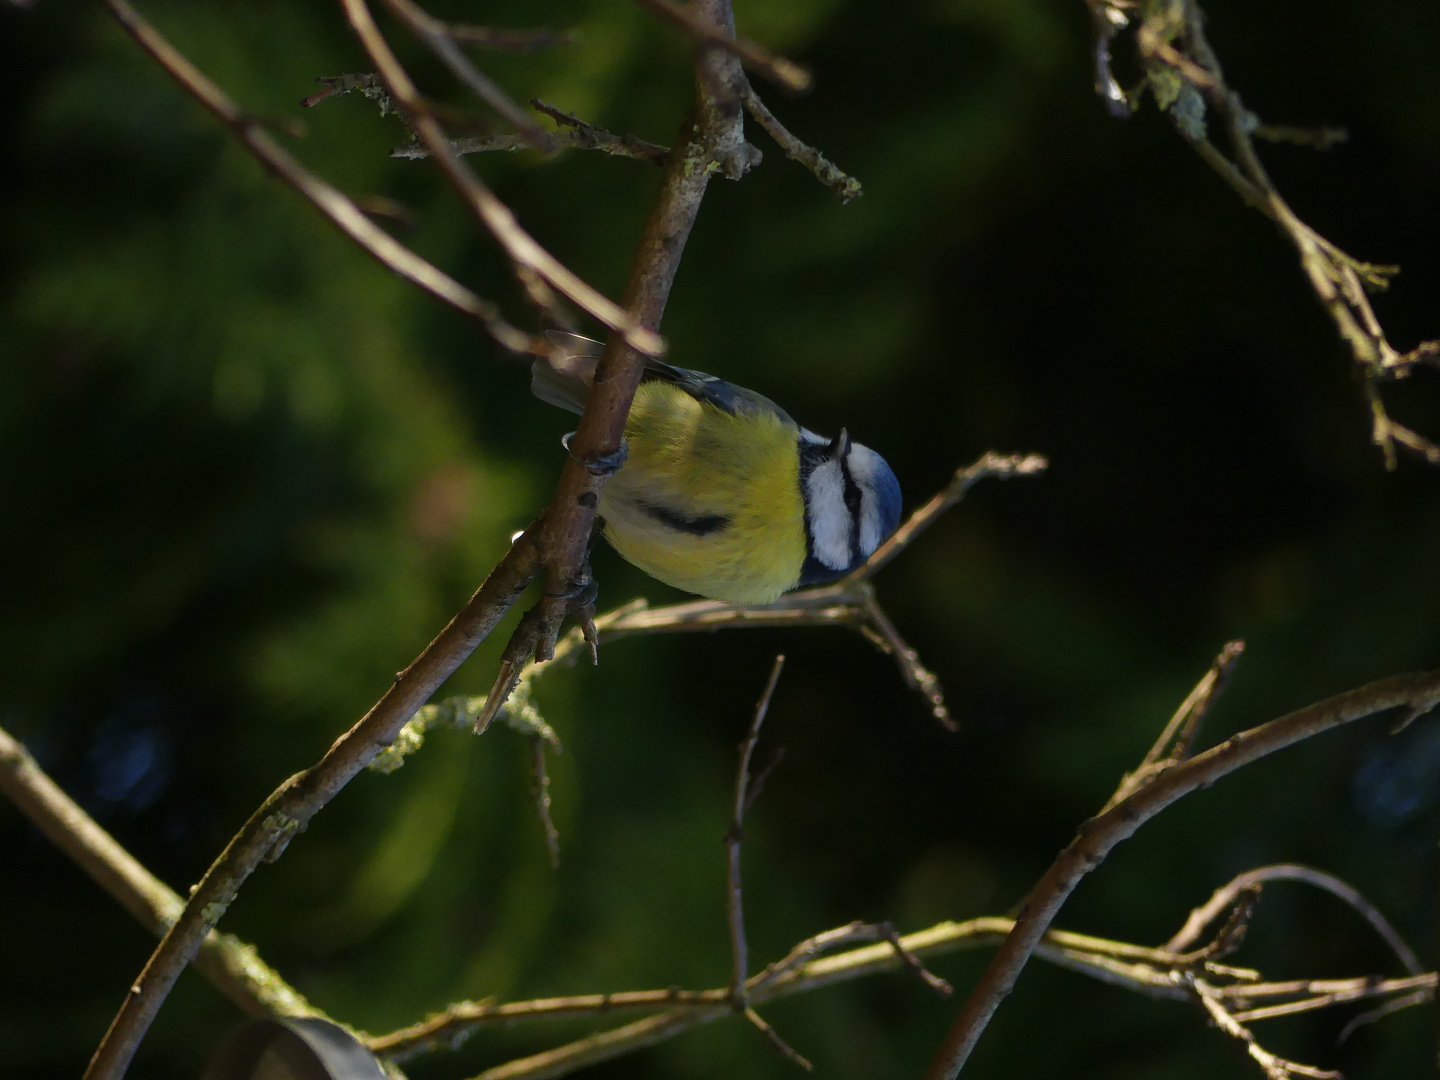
599 464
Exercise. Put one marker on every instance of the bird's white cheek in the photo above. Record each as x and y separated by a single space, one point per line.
829 521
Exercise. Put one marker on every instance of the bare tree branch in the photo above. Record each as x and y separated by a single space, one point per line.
1185 76
734 898
441 40
291 806
1156 972
713 141
1275 1067
329 200
1202 916
1098 836
231 966
691 18
557 541
825 170
537 269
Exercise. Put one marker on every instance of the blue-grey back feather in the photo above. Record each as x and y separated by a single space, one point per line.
564 377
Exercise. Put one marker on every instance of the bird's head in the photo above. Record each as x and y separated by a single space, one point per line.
852 504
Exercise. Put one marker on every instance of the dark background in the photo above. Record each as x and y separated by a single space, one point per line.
246 475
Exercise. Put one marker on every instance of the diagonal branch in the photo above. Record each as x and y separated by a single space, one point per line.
1098 836
442 41
232 966
711 141
339 208
291 806
556 541
1184 73
692 19
538 270
825 170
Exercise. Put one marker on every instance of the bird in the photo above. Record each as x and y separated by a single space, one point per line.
720 492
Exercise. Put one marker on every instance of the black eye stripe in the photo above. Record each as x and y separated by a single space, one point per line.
852 504
852 489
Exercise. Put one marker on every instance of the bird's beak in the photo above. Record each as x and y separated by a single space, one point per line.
840 445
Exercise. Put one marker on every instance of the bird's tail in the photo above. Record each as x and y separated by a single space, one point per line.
563 376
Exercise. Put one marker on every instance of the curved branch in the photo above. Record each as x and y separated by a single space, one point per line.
1098 836
1224 896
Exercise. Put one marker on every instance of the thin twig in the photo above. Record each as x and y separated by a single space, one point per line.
1175 741
325 197
1275 1067
590 137
440 39
532 262
232 966
734 898
776 1041
1185 72
990 466
777 69
1318 879
825 170
1098 836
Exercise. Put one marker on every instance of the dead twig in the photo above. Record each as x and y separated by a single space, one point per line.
825 170
537 270
687 18
333 204
1098 836
1175 741
1274 1066
734 835
1185 75
1225 896
441 39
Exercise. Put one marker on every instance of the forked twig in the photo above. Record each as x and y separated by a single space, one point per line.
536 268
332 203
1098 836
1185 75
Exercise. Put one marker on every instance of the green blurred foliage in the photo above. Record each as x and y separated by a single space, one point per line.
247 475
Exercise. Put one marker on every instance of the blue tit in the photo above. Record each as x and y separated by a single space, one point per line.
722 493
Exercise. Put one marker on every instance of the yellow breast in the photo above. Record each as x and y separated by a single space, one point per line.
708 502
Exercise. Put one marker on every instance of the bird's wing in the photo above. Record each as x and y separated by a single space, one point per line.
564 377
714 391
